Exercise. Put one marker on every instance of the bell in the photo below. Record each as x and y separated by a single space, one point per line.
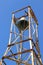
22 23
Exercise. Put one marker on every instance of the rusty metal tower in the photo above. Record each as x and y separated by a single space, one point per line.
23 46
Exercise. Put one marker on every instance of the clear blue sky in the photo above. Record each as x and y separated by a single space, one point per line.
6 8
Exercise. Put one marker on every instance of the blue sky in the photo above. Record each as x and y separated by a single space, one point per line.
6 8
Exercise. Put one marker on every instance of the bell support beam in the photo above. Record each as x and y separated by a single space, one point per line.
18 61
19 42
18 53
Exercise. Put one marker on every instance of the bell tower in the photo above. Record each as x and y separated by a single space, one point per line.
23 47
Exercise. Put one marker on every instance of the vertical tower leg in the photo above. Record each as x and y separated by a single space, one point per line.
32 57
20 48
8 49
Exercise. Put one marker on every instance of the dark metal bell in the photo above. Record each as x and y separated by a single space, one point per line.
22 24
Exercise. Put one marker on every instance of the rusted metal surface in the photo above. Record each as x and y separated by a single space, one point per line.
33 16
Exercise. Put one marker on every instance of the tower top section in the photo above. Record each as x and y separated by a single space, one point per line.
25 14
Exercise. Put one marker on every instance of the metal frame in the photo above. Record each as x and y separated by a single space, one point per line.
34 46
